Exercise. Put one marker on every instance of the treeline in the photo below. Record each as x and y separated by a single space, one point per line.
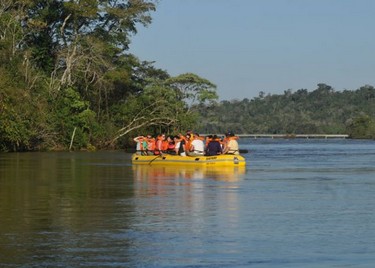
67 80
321 111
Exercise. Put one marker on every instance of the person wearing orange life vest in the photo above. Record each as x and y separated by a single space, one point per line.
171 145
189 137
161 144
230 144
165 145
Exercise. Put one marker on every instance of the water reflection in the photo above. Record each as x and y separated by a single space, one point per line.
187 206
230 174
160 180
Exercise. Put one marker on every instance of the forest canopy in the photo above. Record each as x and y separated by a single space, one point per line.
321 111
67 81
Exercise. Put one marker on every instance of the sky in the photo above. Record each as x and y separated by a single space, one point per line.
248 46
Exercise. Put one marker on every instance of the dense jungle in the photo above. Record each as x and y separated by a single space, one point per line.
68 82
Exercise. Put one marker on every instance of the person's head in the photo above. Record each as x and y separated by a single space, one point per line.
149 136
229 134
188 136
163 136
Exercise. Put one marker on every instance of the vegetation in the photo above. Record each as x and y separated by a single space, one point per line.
66 79
322 111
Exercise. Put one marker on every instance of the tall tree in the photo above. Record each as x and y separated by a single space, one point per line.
192 89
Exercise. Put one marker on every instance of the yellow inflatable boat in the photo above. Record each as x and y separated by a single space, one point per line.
223 160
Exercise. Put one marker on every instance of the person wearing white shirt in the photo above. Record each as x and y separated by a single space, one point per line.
196 146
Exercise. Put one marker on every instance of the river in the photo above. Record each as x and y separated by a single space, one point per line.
298 203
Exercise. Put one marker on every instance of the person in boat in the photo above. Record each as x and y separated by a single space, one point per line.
230 144
196 145
180 145
141 145
150 145
177 143
171 145
188 139
161 144
213 146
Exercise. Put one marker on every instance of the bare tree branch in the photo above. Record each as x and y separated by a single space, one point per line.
147 116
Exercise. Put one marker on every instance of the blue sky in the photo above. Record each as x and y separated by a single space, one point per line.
248 46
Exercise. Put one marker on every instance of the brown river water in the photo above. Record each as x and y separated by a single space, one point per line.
298 203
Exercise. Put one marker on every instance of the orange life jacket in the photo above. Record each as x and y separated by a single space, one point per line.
158 144
187 142
227 139
151 144
164 145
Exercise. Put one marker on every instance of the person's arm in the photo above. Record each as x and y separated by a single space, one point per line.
159 145
183 144
219 148
191 147
225 149
177 147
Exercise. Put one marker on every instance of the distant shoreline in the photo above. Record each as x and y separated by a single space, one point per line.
290 136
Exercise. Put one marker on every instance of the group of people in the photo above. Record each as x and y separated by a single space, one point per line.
190 144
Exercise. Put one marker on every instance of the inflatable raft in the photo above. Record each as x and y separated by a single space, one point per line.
224 160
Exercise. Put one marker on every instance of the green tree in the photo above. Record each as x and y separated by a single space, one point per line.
361 127
72 113
192 89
